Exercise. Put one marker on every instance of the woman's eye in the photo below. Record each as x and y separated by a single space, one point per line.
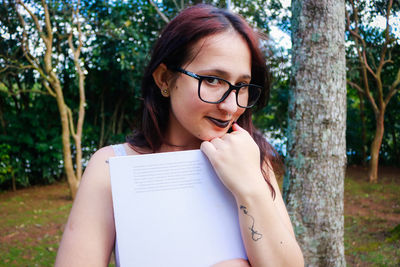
241 84
212 81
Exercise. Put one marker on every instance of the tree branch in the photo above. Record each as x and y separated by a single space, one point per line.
48 88
159 11
22 67
23 92
387 39
356 86
70 121
82 101
35 19
48 41
25 42
33 61
176 5
47 20
357 37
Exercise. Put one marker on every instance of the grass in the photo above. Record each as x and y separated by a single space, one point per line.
33 220
372 219
32 224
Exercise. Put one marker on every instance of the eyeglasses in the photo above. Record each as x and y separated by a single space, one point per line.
215 90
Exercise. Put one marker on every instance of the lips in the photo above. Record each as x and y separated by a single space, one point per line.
219 123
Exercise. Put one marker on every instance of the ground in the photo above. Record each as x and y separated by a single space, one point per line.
33 220
372 211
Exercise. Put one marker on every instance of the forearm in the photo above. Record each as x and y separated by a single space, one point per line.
267 240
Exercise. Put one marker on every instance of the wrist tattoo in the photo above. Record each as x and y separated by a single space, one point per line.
255 235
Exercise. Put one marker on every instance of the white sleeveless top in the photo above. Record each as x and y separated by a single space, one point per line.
119 150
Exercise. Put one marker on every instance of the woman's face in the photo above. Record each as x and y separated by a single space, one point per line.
225 55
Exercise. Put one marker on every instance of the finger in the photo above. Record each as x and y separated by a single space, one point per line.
217 142
233 263
225 136
207 148
236 127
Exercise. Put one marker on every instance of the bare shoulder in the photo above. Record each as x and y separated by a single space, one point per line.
102 155
89 234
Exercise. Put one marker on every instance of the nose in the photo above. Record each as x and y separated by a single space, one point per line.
229 105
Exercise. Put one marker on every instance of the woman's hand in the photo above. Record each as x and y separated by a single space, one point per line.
233 263
236 160
265 225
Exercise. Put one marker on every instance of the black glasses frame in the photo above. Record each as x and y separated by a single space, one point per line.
232 87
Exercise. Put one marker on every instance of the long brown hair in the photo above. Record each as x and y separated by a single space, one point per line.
174 48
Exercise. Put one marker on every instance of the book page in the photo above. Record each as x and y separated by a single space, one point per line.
171 209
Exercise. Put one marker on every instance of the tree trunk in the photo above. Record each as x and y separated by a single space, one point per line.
313 184
66 135
376 147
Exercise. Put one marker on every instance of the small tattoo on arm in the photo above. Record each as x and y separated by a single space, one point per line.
255 235
107 161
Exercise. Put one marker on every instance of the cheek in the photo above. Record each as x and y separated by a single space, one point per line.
238 113
185 102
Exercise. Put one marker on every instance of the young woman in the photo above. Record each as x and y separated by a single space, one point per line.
205 74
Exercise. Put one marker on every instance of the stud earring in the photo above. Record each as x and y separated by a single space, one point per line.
165 92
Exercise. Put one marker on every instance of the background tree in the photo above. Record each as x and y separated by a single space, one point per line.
374 54
39 34
313 184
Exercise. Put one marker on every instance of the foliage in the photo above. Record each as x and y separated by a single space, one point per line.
33 143
118 39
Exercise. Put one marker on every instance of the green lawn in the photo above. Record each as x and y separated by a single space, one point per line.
372 211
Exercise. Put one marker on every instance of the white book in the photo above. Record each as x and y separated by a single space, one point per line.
171 209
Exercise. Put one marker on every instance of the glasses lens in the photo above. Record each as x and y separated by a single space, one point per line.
248 95
212 90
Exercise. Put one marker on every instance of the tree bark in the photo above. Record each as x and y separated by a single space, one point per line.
376 147
67 155
315 164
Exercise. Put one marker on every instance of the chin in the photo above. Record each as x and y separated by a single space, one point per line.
209 137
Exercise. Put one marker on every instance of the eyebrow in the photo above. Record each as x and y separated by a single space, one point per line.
225 74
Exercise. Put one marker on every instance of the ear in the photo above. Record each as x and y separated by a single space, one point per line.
161 76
